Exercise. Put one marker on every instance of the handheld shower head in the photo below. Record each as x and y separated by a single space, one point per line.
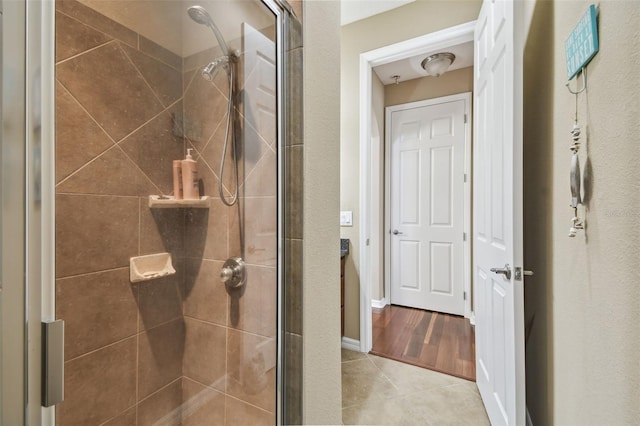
199 15
202 17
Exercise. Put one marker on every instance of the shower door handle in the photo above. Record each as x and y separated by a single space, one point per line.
396 232
53 363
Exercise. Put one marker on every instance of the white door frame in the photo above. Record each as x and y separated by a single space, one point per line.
416 46
468 155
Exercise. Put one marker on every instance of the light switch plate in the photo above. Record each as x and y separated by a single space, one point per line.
346 218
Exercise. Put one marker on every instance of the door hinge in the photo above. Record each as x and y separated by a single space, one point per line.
465 178
464 295
464 236
465 119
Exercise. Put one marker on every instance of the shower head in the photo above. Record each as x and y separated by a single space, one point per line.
209 72
202 17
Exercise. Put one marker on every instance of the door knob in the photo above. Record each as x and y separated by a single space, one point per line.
506 271
396 232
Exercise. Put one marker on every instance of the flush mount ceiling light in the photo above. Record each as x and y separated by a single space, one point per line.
438 64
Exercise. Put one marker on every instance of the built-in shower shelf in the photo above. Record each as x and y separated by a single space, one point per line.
164 202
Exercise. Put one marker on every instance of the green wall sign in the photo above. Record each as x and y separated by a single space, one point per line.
582 44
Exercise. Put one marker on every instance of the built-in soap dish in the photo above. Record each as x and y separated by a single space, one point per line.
152 266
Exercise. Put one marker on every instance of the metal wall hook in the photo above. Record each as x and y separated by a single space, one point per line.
584 82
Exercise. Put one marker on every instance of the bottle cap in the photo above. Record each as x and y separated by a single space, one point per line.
189 157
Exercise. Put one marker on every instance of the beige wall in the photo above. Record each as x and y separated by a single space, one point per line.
321 264
583 304
451 83
412 20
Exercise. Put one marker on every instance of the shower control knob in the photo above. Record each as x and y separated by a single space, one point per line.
233 272
226 274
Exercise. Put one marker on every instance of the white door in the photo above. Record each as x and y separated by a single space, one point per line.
497 209
259 77
427 204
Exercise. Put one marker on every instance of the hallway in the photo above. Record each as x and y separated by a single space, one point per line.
381 391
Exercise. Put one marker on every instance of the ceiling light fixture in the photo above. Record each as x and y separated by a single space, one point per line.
437 64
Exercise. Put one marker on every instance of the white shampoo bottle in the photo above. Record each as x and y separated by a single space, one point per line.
190 189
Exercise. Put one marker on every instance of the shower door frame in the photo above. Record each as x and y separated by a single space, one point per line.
28 196
41 61
282 13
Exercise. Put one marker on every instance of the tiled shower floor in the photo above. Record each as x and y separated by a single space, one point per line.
380 391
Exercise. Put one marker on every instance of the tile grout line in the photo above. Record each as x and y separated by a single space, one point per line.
85 274
228 327
92 351
138 321
256 265
139 71
138 359
226 370
248 403
112 140
383 374
139 225
160 389
93 27
114 38
118 142
96 123
164 110
120 413
138 332
62 61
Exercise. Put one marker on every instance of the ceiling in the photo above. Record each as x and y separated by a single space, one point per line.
356 10
410 68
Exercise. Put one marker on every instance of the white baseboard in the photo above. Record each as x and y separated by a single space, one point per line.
350 344
472 318
378 303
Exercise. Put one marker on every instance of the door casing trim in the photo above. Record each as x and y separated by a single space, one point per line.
419 45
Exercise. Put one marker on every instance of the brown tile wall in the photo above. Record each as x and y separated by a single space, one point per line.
116 97
180 349
293 207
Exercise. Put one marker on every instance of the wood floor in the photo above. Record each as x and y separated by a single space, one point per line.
440 342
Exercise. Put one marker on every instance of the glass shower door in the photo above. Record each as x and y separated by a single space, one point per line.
12 293
131 99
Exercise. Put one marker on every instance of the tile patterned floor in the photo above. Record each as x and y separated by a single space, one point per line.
380 391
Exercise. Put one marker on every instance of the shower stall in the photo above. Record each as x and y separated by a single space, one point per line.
212 334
